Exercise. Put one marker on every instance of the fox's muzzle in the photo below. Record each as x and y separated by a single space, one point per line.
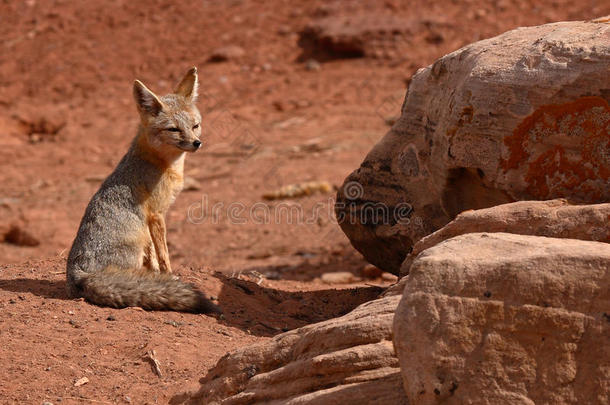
189 146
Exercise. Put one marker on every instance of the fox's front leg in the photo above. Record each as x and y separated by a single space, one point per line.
156 224
150 260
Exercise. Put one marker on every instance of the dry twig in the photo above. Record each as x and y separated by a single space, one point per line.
151 357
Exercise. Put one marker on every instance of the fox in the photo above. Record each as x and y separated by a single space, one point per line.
119 257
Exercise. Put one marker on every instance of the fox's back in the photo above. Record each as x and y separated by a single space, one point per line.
113 229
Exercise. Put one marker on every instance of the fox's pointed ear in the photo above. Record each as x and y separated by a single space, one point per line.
189 85
146 100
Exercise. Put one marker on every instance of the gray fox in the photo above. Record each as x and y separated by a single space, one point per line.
119 257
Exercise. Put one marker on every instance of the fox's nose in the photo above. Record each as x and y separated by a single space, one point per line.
197 144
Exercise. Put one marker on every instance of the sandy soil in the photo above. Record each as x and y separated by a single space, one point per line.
67 116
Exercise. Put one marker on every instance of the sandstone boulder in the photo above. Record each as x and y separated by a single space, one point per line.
346 360
226 53
553 218
524 115
506 319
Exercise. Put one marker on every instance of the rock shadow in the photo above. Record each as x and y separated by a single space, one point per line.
264 311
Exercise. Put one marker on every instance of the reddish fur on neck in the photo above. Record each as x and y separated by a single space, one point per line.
152 155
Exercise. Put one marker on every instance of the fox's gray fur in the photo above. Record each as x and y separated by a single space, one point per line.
119 257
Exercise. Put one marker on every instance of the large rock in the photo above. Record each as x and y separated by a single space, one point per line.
553 218
346 360
506 319
520 116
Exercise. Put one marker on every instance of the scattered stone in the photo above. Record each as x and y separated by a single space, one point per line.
43 128
226 53
279 105
302 103
339 277
435 38
305 254
284 30
389 121
259 255
75 323
81 381
311 146
312 65
299 190
190 184
371 271
111 318
290 122
288 105
16 235
8 201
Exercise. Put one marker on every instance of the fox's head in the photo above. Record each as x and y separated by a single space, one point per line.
171 123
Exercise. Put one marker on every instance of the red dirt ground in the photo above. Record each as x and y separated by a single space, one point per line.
67 116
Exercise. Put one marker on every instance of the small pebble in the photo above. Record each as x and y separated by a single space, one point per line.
371 271
312 65
389 277
74 323
81 381
226 53
338 277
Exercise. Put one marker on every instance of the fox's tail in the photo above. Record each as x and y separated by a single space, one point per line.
151 291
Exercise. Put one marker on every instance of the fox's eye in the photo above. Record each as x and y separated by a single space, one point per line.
173 129
195 126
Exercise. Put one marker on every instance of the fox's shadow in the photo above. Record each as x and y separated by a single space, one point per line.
42 288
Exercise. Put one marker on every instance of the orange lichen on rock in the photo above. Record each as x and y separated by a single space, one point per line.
566 149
